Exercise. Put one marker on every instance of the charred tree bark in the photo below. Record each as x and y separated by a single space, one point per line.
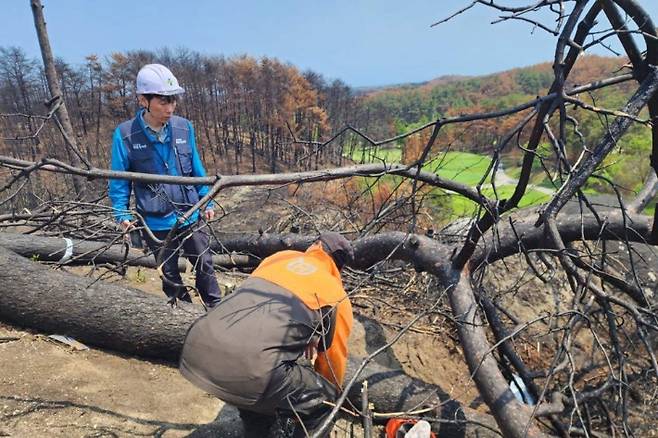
520 232
55 91
394 391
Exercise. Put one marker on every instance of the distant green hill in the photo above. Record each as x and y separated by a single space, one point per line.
448 95
398 109
409 85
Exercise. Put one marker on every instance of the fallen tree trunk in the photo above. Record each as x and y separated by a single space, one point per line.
84 252
105 315
140 324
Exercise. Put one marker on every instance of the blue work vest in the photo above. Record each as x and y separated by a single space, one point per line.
160 199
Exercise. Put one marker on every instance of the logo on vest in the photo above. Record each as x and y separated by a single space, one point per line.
139 146
181 141
300 266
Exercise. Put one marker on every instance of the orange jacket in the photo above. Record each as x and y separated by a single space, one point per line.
313 277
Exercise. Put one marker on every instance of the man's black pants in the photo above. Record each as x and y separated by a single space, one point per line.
195 245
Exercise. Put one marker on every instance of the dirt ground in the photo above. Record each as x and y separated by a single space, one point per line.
48 388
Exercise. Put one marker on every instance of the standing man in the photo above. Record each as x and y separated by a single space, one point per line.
156 141
247 350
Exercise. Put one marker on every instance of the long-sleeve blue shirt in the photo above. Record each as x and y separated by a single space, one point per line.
120 190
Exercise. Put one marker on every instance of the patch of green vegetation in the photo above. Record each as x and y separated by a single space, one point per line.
462 207
650 210
463 167
513 172
140 276
407 108
466 168
376 155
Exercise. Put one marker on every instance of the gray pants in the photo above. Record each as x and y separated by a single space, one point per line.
195 244
298 395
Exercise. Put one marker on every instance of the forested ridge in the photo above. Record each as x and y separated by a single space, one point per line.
452 95
264 106
253 115
236 104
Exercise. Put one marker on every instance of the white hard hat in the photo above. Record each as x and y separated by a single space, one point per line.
157 79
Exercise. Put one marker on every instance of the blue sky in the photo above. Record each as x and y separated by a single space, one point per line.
363 42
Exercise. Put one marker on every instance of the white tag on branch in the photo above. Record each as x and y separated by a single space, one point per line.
76 345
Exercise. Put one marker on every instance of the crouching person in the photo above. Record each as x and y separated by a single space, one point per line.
247 350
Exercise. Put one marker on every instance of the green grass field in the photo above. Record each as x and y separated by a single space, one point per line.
464 167
461 206
389 155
